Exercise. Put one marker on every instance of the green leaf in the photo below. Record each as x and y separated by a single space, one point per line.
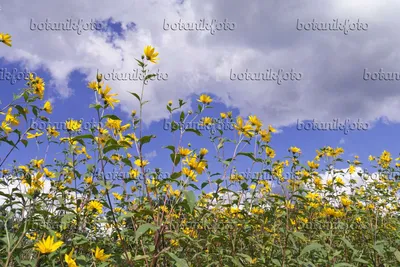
86 136
113 117
311 247
141 257
172 148
96 106
361 261
250 155
178 261
21 111
111 147
80 240
146 139
300 236
143 229
67 218
25 142
194 131
141 64
191 199
276 262
397 255
176 158
136 95
176 175
348 244
379 249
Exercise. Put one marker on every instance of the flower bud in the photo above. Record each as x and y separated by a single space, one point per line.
133 113
99 77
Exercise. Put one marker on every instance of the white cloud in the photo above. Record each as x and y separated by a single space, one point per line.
265 37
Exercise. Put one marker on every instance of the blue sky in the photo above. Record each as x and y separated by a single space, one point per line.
333 63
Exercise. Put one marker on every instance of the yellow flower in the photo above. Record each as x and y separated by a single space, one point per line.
108 100
88 180
205 99
312 164
48 173
318 183
99 254
11 118
174 242
245 129
339 181
32 236
385 159
73 125
223 115
117 196
184 151
134 173
289 205
6 39
371 158
37 163
150 54
253 261
352 169
95 205
51 131
37 84
203 152
294 150
6 127
24 168
313 196
255 121
46 246
257 210
141 163
189 173
206 121
30 136
47 107
68 259
345 201
270 152
271 129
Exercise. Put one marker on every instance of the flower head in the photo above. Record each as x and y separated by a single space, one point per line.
205 99
6 39
99 254
150 54
47 107
46 246
68 259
